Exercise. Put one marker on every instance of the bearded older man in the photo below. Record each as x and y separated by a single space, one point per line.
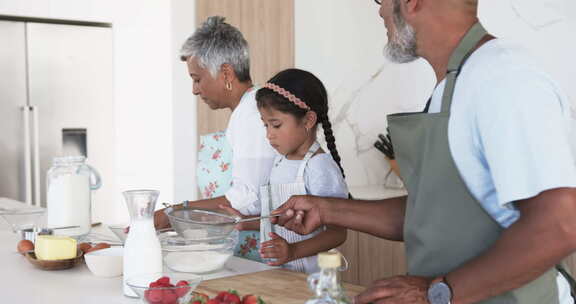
489 169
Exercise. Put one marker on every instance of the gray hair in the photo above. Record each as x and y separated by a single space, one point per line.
401 48
216 43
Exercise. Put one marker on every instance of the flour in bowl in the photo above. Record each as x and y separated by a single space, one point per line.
195 234
196 261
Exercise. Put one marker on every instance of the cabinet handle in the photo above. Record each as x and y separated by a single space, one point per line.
36 153
27 155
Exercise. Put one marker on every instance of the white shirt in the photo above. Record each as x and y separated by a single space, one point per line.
511 132
252 155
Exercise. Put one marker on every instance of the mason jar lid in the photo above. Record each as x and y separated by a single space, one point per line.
61 160
329 259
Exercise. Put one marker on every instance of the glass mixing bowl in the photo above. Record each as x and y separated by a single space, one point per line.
197 257
22 218
149 291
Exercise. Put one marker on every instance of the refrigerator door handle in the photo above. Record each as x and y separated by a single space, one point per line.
36 153
27 155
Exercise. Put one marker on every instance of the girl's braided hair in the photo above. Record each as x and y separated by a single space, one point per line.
308 88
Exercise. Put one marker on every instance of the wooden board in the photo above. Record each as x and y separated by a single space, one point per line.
278 286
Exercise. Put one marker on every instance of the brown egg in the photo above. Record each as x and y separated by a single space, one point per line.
98 247
102 245
24 246
84 247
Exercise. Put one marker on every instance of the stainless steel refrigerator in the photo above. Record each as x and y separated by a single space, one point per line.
56 98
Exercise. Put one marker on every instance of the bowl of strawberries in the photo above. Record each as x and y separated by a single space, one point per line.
164 288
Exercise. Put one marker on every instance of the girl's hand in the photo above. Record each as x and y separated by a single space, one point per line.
234 212
277 248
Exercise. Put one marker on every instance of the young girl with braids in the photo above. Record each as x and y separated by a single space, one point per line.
292 104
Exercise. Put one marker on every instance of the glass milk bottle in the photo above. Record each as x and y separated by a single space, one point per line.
142 251
326 284
69 184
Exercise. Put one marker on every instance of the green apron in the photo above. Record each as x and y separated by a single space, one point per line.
445 226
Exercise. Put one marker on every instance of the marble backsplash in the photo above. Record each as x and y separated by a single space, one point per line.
362 96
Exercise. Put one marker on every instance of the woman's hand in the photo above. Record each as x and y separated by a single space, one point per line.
277 248
161 219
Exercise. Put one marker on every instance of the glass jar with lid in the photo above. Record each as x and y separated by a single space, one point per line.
69 184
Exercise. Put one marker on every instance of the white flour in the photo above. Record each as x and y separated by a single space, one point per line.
196 261
195 234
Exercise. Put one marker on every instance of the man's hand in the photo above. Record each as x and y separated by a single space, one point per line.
277 248
301 214
396 290
161 220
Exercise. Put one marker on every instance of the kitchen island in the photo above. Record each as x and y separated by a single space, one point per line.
21 282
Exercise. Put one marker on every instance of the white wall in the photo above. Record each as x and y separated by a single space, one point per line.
184 106
150 100
341 41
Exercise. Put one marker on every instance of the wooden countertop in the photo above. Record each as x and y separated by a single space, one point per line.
277 286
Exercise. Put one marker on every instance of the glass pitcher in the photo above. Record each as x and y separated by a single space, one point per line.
142 250
69 202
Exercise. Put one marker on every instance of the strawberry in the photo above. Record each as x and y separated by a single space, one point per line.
184 287
155 295
164 281
155 285
147 295
169 297
252 299
232 298
221 295
213 301
249 299
197 302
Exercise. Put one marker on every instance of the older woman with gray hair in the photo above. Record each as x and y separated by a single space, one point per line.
218 62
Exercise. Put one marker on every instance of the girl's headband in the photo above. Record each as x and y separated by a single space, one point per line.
291 97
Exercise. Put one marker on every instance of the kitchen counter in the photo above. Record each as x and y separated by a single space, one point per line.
21 282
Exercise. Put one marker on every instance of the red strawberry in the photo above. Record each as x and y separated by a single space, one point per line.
197 302
147 295
213 301
232 298
184 288
221 295
155 285
169 297
155 295
249 299
164 281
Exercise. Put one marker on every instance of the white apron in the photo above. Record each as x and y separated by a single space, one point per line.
272 197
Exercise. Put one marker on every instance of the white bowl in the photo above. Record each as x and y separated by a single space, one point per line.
106 263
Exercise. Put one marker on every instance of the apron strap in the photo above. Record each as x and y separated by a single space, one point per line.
562 270
313 148
457 60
